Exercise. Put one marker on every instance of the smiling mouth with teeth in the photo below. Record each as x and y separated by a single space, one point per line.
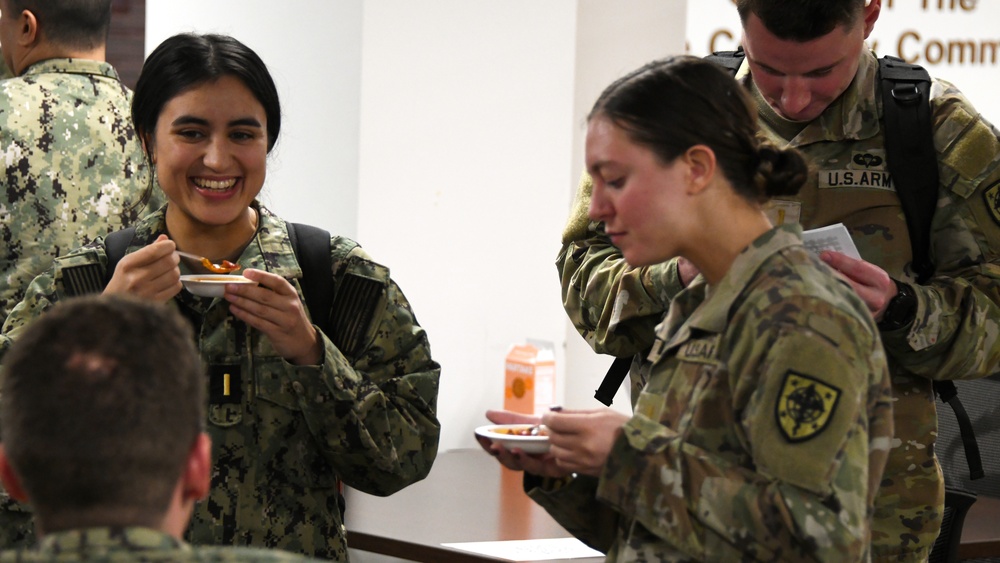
215 185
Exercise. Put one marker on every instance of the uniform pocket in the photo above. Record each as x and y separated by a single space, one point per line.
288 450
671 401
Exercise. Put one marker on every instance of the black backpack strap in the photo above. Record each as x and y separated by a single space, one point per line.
91 278
948 392
730 60
910 154
912 161
613 380
115 246
312 249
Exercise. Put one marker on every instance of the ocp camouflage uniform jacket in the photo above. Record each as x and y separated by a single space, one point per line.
282 434
957 327
108 545
762 422
73 167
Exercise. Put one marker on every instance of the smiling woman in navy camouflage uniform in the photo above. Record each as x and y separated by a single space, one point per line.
292 411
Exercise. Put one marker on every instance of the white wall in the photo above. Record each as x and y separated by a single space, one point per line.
465 134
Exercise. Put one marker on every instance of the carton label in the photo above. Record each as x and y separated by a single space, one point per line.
529 379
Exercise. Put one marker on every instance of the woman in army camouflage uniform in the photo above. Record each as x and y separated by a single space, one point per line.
761 417
293 411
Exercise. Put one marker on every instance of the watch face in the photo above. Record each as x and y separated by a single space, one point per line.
901 309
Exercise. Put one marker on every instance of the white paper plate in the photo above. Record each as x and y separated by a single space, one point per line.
211 285
528 444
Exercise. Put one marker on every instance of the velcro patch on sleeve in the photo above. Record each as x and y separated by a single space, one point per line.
973 150
353 312
808 407
83 279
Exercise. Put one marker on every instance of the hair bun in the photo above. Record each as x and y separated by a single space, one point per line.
780 172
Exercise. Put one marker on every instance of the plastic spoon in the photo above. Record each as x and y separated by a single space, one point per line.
224 268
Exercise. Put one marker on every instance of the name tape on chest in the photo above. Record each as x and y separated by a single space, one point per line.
866 169
871 179
702 350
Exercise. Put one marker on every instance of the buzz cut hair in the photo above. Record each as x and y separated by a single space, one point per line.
77 24
801 20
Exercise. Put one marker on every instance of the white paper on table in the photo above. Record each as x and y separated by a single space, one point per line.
529 550
833 237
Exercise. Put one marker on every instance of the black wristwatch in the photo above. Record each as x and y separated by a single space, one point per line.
902 308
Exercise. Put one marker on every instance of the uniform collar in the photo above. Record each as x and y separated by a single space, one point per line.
853 116
72 66
275 246
95 540
701 308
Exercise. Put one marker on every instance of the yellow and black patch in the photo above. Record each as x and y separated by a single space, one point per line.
992 195
805 406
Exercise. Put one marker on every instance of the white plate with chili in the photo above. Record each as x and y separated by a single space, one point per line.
529 438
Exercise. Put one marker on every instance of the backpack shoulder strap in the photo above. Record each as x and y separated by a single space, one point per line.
115 246
90 278
910 154
312 249
948 392
729 60
912 161
605 393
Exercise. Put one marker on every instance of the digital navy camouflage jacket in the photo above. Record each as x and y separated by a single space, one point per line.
285 436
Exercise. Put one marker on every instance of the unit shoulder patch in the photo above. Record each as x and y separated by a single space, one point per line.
804 407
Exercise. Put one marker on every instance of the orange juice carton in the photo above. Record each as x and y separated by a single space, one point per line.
530 378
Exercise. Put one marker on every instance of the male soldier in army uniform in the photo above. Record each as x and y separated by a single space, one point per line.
116 474
73 167
816 88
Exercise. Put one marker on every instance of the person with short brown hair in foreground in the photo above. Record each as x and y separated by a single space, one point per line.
102 410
